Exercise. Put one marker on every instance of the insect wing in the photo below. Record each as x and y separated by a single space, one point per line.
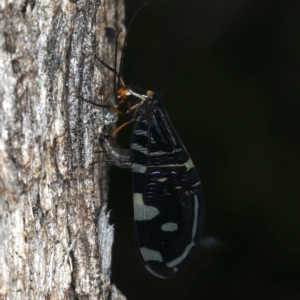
168 198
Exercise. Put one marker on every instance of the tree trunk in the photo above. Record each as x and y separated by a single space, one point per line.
55 239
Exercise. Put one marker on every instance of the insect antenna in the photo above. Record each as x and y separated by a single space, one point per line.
125 40
110 115
117 74
116 56
114 70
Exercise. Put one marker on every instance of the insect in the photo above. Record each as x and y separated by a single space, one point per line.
167 194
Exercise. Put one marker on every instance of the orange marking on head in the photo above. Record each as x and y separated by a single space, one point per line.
122 94
149 93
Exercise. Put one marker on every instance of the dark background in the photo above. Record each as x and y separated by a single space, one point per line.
229 74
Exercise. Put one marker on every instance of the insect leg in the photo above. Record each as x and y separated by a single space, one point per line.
132 108
111 69
119 128
115 154
104 106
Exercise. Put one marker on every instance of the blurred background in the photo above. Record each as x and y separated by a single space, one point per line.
229 74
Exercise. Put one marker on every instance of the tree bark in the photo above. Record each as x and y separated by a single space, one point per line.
55 239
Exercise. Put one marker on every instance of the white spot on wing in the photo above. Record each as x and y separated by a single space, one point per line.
149 254
179 259
189 165
139 148
169 227
165 153
187 249
140 132
143 212
162 179
168 166
136 168
196 184
153 272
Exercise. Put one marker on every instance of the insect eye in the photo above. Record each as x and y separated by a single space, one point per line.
118 97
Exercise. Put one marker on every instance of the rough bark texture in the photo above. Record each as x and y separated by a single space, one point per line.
50 193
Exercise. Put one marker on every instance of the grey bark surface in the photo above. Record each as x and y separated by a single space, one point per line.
55 239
